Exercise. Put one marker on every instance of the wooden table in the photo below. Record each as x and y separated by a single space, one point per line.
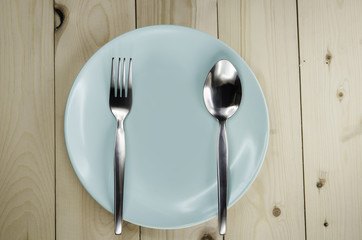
307 56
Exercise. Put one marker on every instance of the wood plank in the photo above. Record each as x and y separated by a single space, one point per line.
265 34
87 25
330 55
201 15
198 14
27 120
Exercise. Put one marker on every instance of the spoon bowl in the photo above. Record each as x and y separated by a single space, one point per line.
222 90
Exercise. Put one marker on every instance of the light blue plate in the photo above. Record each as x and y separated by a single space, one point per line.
171 138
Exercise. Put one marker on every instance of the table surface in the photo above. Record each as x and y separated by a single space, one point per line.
307 56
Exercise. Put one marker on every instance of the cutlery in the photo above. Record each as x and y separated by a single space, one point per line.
120 102
222 97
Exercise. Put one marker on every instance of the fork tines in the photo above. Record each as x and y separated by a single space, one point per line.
118 87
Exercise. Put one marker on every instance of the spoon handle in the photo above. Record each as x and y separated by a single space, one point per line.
222 176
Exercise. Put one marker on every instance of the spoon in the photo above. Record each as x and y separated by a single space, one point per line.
222 97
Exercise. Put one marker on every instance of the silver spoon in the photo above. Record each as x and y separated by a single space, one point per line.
222 97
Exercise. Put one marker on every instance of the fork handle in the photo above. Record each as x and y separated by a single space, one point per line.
222 177
119 164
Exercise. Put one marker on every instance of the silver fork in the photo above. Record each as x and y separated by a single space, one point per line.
120 102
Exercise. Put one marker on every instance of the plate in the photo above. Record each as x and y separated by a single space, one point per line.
171 139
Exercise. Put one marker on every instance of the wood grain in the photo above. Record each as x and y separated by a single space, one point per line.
201 15
265 34
87 26
198 14
330 57
27 120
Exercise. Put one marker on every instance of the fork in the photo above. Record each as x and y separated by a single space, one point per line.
120 102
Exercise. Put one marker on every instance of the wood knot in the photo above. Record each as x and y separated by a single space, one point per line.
328 58
276 211
321 183
58 18
207 237
340 94
325 224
